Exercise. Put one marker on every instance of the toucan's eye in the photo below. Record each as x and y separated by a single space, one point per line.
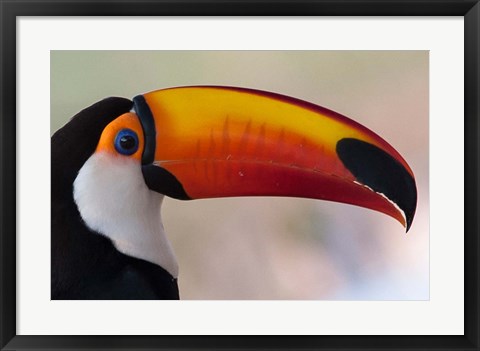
126 142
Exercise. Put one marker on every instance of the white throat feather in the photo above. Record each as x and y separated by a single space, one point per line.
113 200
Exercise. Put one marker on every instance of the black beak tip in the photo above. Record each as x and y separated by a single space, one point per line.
381 172
410 215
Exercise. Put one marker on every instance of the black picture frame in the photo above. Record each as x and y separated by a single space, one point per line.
10 10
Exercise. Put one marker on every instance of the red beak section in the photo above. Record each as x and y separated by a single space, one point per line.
204 142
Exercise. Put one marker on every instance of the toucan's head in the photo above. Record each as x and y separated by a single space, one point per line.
207 142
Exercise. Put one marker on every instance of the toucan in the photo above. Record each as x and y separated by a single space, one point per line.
113 163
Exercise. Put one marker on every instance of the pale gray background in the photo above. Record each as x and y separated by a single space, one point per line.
278 248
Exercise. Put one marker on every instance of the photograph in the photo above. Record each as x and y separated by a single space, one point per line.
240 175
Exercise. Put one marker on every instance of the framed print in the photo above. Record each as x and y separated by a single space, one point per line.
208 91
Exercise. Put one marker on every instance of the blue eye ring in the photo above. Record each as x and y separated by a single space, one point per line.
126 142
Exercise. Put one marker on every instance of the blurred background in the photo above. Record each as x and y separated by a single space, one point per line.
282 248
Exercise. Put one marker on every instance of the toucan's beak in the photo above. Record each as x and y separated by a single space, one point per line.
205 142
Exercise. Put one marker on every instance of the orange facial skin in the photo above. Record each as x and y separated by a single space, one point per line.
126 121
